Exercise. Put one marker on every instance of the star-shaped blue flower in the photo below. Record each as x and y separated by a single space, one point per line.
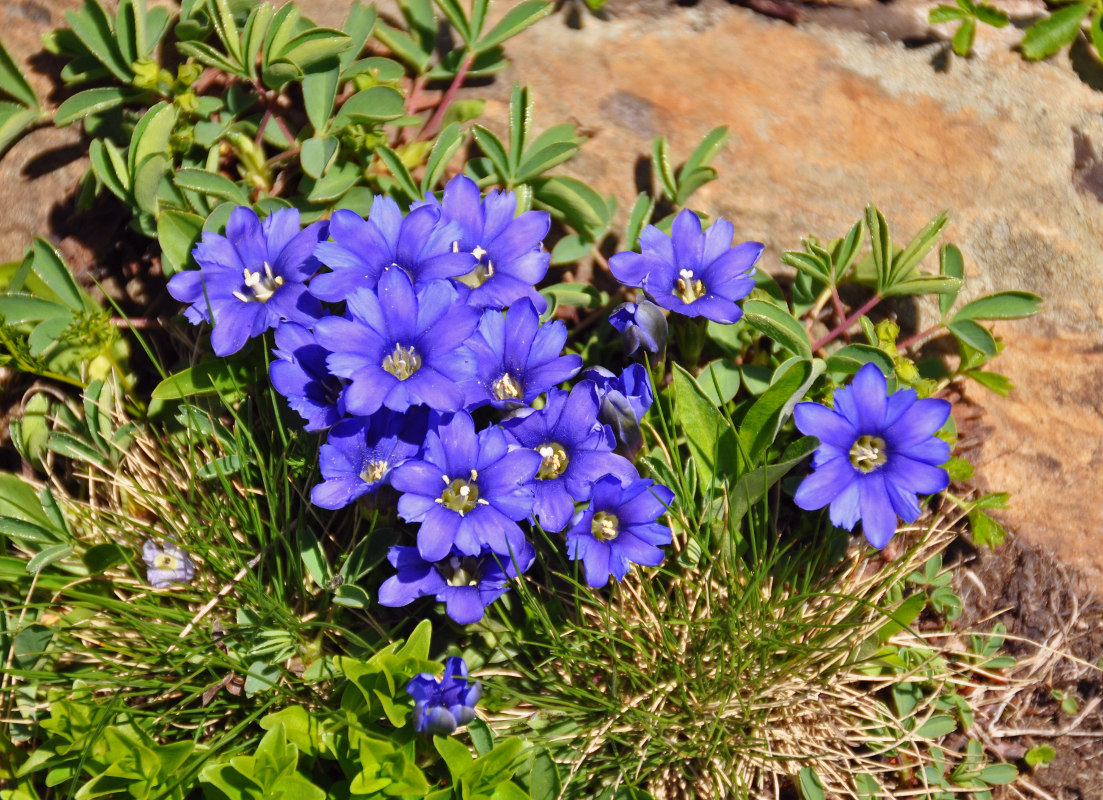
510 259
420 244
401 348
465 584
619 528
467 490
691 272
877 452
360 453
517 359
251 279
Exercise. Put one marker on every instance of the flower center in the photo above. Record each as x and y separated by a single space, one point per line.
461 495
604 526
164 561
483 271
262 286
403 362
507 388
555 461
688 289
868 453
373 471
460 571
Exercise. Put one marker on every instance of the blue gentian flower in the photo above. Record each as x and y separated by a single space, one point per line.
251 279
166 564
465 584
467 490
517 359
641 324
877 452
419 244
440 706
690 272
300 374
360 453
620 528
625 398
401 348
575 450
510 260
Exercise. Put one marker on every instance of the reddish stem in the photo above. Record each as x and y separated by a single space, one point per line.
837 302
844 326
137 323
434 122
904 345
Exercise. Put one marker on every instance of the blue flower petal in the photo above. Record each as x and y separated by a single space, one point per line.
825 484
878 517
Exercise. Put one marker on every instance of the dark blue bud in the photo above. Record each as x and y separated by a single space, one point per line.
641 324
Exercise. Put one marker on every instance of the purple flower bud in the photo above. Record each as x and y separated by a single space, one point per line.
641 324
440 706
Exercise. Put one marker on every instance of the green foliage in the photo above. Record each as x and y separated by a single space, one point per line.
968 14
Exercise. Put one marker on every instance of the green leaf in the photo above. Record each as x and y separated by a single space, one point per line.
317 154
753 486
16 309
358 26
350 595
13 82
867 787
544 782
215 376
48 555
27 531
846 250
314 45
1039 754
93 27
341 176
990 15
403 45
1048 35
255 34
210 183
481 736
210 57
779 325
853 357
1002 305
882 246
102 557
104 166
579 205
262 677
904 615
1096 31
999 774
537 162
577 295
492 146
48 265
986 532
964 35
93 101
151 136
223 18
917 249
764 419
923 284
711 439
446 145
399 172
220 467
456 18
638 217
660 162
952 265
19 501
455 755
706 151
937 726
809 264
147 183
942 14
320 83
15 120
720 380
515 20
177 233
809 784
992 380
973 335
372 105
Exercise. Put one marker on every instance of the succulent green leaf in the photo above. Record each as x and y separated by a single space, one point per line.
942 14
660 162
15 120
515 20
779 325
399 172
964 36
638 217
882 247
403 45
575 202
207 55
811 788
1002 305
974 335
456 17
255 35
764 419
923 284
177 233
952 265
314 45
1049 34
711 438
151 135
94 101
213 376
492 146
13 82
211 183
375 104
317 155
905 262
446 145
320 82
93 27
358 26
853 357
52 270
990 15
999 774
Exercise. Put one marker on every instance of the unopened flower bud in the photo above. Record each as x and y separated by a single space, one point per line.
641 324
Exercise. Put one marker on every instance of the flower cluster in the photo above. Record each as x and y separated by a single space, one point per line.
400 336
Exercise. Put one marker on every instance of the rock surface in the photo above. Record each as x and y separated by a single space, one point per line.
823 121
